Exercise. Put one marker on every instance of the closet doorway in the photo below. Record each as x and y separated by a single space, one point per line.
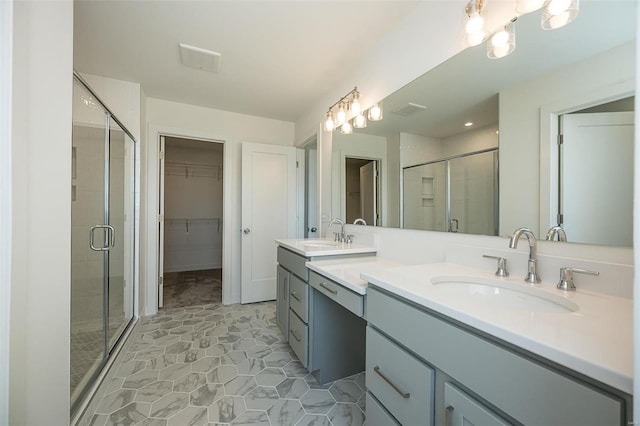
191 207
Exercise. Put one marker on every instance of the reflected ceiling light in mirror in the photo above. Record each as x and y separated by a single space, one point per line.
502 42
468 124
558 13
527 6
346 128
375 112
360 122
475 23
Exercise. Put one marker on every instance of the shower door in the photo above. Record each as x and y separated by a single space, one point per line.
102 238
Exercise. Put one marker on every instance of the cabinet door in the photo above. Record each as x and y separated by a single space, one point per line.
462 410
282 301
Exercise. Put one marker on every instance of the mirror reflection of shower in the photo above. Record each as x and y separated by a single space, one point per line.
458 194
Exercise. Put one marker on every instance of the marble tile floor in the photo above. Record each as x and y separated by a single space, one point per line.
220 365
191 288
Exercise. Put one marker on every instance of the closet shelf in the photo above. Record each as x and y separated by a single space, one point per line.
189 221
189 170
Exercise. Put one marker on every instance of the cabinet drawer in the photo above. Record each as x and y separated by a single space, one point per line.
299 337
299 297
509 380
377 415
462 410
347 298
402 383
293 262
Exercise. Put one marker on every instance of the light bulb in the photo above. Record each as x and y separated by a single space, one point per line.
359 122
329 123
558 6
355 107
375 113
346 128
559 13
474 39
527 6
341 116
503 42
475 23
500 38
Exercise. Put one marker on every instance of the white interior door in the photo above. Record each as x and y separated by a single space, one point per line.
597 210
161 225
268 213
368 192
312 194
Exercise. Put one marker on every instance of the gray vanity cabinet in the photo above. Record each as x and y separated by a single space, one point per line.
476 377
323 324
282 300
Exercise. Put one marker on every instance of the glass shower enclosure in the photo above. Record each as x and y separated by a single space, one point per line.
458 194
102 237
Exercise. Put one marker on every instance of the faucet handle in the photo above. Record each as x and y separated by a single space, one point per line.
349 238
566 277
336 237
502 265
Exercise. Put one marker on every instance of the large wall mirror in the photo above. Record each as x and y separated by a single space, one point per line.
471 146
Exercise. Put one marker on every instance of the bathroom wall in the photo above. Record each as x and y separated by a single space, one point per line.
42 66
173 118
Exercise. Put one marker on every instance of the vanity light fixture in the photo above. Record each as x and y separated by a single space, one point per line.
475 24
502 42
350 103
558 13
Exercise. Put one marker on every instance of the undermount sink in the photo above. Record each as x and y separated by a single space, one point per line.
321 244
503 293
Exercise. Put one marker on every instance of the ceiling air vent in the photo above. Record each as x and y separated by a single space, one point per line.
409 109
201 59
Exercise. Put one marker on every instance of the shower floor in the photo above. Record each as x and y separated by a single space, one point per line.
192 288
87 350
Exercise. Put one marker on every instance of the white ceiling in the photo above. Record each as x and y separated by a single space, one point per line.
278 57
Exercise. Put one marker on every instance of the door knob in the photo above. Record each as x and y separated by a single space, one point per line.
247 231
314 229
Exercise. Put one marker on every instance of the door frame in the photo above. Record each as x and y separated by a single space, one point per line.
549 130
152 230
380 192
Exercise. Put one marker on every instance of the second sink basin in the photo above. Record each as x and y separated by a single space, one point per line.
506 294
321 244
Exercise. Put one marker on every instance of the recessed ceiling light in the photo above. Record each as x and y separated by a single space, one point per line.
468 124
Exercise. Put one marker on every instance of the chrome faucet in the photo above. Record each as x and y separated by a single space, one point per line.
556 230
360 221
341 222
532 275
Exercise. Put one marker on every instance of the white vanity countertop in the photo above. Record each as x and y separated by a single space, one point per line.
347 271
596 340
312 247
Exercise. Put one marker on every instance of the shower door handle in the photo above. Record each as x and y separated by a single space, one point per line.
111 238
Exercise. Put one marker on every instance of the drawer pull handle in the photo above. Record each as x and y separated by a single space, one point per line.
293 294
329 289
293 333
405 395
